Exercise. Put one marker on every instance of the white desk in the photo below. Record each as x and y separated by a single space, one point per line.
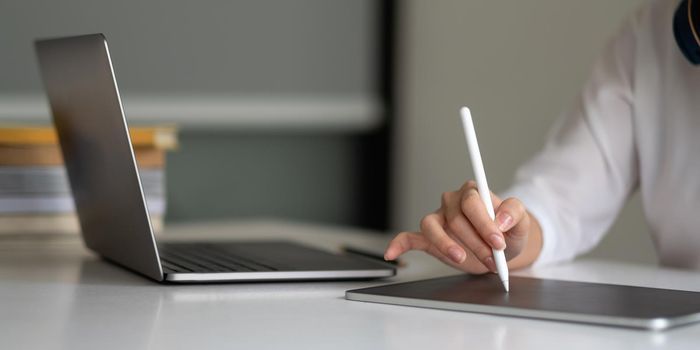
55 295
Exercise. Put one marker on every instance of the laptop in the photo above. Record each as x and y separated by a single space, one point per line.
87 111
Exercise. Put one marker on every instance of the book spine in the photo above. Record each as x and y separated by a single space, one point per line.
158 137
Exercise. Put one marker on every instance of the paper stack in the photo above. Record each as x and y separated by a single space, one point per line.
35 195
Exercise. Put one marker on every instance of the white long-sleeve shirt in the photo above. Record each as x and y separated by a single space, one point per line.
636 126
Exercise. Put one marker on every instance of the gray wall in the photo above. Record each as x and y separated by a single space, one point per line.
240 47
518 65
300 176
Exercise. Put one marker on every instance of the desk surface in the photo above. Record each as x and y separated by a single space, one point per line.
56 295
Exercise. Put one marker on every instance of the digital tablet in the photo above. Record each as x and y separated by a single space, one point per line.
595 303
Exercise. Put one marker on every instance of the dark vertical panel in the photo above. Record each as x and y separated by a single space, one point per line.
375 151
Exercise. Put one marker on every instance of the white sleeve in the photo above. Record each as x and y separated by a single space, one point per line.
577 184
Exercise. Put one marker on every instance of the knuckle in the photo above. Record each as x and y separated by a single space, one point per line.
467 186
471 198
427 221
472 194
454 226
432 217
445 198
482 252
424 223
401 236
401 240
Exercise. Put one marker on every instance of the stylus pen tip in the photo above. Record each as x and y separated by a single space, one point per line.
505 285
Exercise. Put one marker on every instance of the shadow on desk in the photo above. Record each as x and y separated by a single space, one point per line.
97 271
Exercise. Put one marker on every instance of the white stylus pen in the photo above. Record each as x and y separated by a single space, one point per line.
470 134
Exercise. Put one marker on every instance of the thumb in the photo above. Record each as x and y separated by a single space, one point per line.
514 221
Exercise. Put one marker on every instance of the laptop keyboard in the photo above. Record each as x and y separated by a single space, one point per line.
208 258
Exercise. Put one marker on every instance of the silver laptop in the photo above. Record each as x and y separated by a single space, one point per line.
87 111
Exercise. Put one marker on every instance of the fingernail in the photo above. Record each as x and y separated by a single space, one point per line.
497 241
504 221
387 254
457 255
490 264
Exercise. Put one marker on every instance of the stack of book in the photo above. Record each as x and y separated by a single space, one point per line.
35 195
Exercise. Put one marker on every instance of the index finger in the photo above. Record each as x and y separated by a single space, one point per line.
404 242
474 209
471 184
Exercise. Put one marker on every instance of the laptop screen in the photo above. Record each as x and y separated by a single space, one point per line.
87 112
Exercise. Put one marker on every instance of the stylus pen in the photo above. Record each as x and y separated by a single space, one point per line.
482 185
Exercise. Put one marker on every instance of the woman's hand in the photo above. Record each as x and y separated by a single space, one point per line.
461 233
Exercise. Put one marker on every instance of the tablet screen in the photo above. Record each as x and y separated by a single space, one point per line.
543 298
